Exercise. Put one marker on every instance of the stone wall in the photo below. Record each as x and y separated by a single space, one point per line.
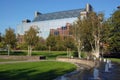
88 63
20 57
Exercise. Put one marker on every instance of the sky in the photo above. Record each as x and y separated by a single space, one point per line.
12 12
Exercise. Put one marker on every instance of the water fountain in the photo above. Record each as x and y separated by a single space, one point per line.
95 74
63 78
100 59
106 67
107 60
110 64
104 60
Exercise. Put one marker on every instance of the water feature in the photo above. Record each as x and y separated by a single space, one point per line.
107 60
96 73
100 59
104 60
106 67
63 78
110 64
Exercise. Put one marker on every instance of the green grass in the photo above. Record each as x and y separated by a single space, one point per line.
13 53
49 55
3 52
45 70
115 60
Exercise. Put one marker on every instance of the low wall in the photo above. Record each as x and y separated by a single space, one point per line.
20 57
89 63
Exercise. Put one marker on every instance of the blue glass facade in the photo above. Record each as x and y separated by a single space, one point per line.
54 20
45 26
58 15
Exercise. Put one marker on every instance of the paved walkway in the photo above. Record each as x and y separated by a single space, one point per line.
87 73
113 74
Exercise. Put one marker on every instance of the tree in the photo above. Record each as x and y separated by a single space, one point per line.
77 31
51 42
41 45
105 36
31 38
96 25
69 44
87 31
10 38
1 41
60 43
114 41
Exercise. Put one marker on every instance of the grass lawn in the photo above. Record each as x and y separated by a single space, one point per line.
49 55
115 60
44 70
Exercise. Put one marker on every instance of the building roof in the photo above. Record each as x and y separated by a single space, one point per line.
58 15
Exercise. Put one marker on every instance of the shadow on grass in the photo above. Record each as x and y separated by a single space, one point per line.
31 74
13 53
50 55
18 53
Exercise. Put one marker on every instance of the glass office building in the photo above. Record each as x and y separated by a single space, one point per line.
54 20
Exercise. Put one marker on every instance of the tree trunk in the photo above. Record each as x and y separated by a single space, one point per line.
67 52
28 50
93 50
49 49
8 49
97 49
79 52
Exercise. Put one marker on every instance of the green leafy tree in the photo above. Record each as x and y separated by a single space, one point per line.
10 38
51 42
77 31
114 41
22 46
31 38
1 41
69 45
105 36
59 43
87 33
41 45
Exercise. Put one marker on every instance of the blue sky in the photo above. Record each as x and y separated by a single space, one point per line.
12 12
